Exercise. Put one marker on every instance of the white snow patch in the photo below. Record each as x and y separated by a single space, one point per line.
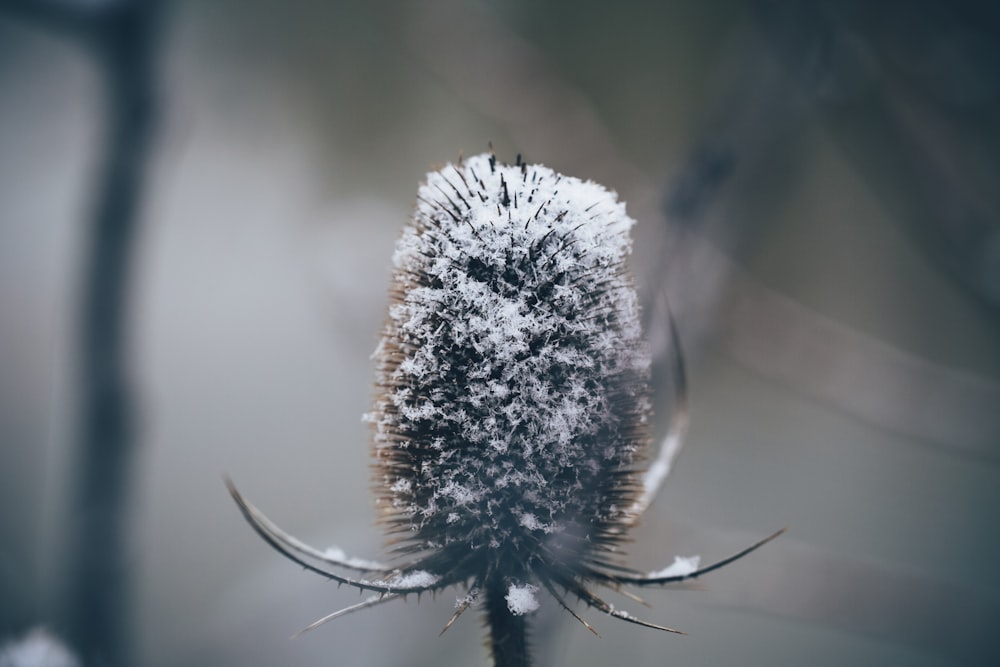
401 485
621 613
680 567
413 579
521 599
531 522
335 553
38 648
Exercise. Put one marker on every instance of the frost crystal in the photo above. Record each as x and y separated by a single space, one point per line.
521 599
680 567
415 579
513 375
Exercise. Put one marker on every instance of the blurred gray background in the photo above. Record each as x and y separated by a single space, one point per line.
817 189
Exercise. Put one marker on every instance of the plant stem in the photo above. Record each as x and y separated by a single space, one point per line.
508 632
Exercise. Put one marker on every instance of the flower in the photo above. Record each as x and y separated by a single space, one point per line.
511 420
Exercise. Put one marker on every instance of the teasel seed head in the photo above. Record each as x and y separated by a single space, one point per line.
512 409
513 379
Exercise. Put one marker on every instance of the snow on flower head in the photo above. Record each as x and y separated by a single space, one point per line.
512 408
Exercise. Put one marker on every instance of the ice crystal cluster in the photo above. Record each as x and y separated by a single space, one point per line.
513 377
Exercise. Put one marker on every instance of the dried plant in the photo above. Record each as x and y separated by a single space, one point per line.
513 408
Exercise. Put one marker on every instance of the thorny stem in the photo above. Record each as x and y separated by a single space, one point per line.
508 632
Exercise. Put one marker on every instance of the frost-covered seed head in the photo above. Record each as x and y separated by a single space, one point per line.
513 406
512 375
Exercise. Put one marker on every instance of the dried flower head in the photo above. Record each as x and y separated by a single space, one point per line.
512 416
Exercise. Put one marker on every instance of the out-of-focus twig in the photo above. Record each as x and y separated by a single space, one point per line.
914 112
121 36
911 92
948 409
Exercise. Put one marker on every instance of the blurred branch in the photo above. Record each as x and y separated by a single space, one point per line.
121 36
941 407
911 91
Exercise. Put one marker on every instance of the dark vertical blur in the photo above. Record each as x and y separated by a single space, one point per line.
93 610
97 590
